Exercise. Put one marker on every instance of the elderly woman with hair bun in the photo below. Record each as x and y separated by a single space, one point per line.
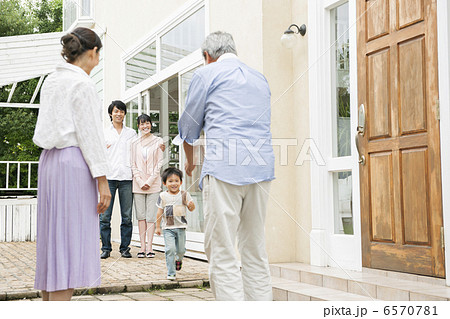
72 168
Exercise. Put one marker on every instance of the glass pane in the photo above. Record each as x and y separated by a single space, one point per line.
132 114
86 8
144 106
341 67
343 215
70 13
183 39
141 66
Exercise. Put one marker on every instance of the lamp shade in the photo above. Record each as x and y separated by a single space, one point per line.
288 40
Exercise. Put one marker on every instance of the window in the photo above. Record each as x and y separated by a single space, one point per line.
132 114
141 66
341 77
342 185
340 98
183 39
166 47
86 8
70 13
76 11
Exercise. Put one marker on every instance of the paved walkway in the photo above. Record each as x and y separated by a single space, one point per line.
119 275
178 294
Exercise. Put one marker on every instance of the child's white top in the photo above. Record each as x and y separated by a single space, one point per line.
174 215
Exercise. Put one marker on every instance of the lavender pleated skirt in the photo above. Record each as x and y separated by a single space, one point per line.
67 252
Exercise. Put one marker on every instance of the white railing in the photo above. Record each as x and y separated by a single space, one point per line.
18 219
31 165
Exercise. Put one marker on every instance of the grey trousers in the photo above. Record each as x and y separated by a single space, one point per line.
236 212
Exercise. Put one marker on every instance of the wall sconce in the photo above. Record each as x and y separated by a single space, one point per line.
288 39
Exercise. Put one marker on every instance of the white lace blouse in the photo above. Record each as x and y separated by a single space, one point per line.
70 115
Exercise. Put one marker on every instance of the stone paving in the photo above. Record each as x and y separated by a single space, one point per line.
119 275
178 294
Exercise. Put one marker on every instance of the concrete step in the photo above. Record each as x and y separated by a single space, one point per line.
289 280
290 290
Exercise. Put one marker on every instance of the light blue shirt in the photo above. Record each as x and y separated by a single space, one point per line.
231 103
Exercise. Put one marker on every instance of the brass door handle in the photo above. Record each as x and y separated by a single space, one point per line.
361 158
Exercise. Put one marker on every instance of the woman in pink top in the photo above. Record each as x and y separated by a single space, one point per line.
146 163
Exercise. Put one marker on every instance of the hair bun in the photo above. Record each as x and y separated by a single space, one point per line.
77 42
72 47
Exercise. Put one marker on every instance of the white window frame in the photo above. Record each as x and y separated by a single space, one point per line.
80 20
443 30
326 247
155 35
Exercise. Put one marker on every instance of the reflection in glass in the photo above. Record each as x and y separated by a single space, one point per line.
183 39
86 8
132 114
141 66
343 215
341 67
70 13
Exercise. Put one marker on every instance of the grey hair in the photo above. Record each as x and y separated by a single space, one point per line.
218 43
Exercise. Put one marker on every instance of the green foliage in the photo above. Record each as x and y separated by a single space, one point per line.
17 125
15 19
48 16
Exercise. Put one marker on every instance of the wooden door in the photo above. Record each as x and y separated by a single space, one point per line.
401 206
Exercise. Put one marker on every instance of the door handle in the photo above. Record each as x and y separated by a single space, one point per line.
361 158
360 130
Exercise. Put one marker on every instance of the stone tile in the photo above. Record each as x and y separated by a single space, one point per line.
148 297
84 298
378 272
335 283
279 294
191 283
318 299
201 294
290 274
294 296
110 289
415 296
364 289
188 290
393 294
310 278
443 292
431 280
400 275
275 270
167 293
113 297
343 296
139 287
184 298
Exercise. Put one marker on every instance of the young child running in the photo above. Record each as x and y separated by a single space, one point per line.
172 208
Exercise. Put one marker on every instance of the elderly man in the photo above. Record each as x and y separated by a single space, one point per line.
231 103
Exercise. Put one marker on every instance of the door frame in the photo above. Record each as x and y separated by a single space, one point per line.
443 33
319 34
327 248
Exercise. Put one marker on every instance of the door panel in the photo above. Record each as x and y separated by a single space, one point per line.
401 205
411 65
377 18
381 197
378 75
409 12
415 209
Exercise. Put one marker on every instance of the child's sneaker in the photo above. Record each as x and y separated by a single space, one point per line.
171 277
178 265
